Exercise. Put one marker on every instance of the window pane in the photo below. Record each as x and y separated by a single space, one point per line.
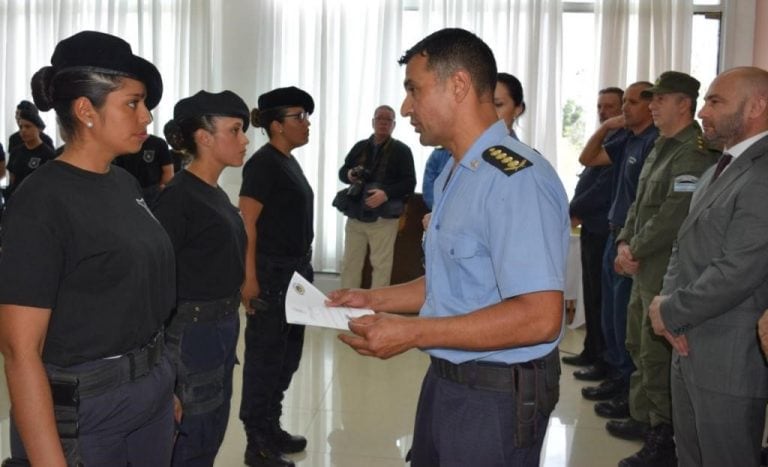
579 95
704 56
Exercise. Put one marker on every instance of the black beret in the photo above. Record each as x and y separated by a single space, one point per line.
286 97
225 104
104 53
32 116
26 105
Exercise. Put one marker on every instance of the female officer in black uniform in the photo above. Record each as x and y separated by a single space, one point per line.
209 238
87 274
28 156
276 203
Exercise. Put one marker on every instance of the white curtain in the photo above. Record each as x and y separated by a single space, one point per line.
176 35
525 36
344 53
640 39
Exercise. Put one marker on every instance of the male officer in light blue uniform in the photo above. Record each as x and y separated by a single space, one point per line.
491 304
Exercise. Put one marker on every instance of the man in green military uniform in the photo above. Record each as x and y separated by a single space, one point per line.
667 181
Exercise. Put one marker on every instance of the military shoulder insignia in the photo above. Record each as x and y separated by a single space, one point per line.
506 160
685 183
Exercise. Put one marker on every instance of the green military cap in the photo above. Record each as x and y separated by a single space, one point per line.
674 81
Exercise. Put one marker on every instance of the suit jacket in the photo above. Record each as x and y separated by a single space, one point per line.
717 279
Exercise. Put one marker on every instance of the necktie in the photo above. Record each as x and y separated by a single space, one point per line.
725 159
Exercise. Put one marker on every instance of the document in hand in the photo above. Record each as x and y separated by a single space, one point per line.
305 304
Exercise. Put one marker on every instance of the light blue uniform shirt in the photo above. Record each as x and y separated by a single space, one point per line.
494 236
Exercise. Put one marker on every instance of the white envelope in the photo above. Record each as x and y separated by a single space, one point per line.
305 304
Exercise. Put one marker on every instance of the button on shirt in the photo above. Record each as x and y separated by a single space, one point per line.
494 236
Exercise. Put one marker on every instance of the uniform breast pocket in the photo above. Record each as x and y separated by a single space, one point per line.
468 266
657 193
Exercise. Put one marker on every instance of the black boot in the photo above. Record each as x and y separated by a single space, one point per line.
630 429
658 450
286 442
261 452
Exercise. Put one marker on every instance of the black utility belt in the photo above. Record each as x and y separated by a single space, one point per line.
205 311
69 387
487 376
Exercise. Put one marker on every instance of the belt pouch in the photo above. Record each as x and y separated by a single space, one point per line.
526 381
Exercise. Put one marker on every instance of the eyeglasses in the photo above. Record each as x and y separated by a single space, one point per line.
301 116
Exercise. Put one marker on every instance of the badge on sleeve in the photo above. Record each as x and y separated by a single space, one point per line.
685 183
506 160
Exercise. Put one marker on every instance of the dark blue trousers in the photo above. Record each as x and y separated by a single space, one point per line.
131 425
457 426
206 360
272 348
592 251
615 298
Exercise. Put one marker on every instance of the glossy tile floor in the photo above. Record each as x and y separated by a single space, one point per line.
358 411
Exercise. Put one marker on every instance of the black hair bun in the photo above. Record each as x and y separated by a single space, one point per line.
41 88
256 118
173 135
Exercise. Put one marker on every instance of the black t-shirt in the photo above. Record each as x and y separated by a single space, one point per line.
285 225
15 140
147 164
86 246
22 161
208 236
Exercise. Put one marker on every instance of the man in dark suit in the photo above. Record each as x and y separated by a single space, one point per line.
716 285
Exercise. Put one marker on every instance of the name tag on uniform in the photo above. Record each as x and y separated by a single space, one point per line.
685 183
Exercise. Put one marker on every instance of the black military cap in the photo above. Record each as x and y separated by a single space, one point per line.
674 81
286 97
104 53
33 116
225 104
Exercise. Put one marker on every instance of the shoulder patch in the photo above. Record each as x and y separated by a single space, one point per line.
685 183
506 160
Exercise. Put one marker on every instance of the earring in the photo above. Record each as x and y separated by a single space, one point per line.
89 124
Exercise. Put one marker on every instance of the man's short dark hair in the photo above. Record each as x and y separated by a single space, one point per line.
645 85
452 49
613 90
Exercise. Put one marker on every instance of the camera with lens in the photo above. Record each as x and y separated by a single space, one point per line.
362 175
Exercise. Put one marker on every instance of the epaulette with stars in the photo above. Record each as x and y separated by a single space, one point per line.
703 145
506 160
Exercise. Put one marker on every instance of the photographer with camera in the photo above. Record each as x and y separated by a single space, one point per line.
380 172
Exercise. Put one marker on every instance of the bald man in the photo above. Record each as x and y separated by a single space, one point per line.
716 286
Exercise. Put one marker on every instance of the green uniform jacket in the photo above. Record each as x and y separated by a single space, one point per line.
667 181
